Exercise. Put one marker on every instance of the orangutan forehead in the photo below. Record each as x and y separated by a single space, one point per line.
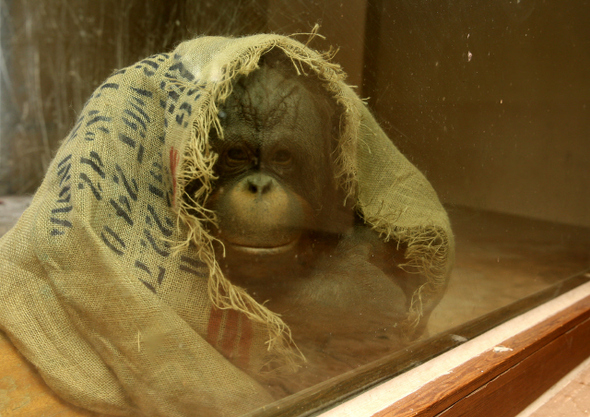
267 97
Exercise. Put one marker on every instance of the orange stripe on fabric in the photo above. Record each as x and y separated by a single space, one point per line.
215 317
245 341
174 160
230 333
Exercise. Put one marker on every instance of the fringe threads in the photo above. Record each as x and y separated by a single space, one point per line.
198 161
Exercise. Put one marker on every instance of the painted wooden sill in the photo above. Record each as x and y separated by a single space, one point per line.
468 366
496 374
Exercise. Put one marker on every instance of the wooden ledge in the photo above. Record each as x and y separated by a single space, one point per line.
494 374
420 367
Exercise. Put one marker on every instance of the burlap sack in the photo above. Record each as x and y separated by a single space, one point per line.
109 284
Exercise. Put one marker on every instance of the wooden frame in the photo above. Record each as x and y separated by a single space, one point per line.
494 376
495 373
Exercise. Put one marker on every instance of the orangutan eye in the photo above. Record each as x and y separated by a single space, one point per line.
282 157
236 156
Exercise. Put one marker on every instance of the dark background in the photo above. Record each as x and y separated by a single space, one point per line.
489 99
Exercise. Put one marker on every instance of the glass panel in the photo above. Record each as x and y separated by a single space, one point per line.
223 225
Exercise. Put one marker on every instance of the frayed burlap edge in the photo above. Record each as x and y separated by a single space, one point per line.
199 159
428 254
427 247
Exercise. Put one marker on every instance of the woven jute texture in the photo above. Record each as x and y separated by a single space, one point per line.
109 283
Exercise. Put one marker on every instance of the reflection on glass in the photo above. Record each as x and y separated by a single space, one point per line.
226 224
